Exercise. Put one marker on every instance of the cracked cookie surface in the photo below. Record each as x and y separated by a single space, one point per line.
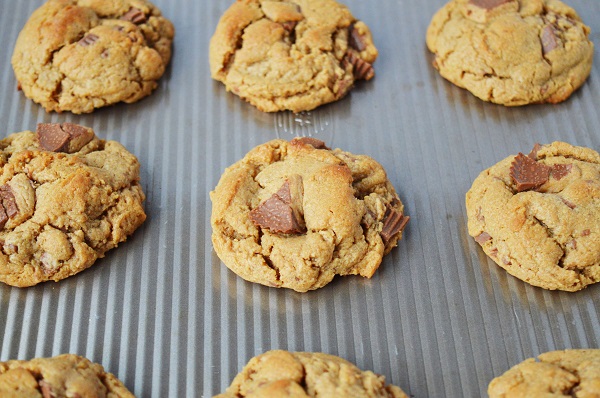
304 374
290 55
63 376
78 55
295 214
568 373
66 197
512 52
538 216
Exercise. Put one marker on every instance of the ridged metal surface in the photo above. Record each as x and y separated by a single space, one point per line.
438 318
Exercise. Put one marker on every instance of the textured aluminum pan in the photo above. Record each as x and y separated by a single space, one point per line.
438 318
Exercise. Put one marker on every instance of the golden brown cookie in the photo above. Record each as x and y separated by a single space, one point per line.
306 374
66 197
512 52
63 376
295 214
293 55
538 215
78 55
568 373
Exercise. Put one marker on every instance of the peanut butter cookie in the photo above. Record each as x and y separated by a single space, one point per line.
306 374
63 376
293 55
78 55
512 52
538 216
568 373
295 214
66 197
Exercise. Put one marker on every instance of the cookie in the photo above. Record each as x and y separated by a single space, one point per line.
63 376
538 215
568 373
295 214
512 52
290 55
78 55
66 198
306 374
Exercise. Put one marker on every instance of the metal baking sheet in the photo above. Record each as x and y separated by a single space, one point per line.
438 318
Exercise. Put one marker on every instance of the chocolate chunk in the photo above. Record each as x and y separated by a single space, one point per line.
355 39
80 136
52 137
289 25
586 232
393 224
8 201
134 15
488 4
66 137
88 40
569 204
559 171
549 38
361 68
46 389
317 144
534 151
478 214
280 213
3 217
482 238
527 173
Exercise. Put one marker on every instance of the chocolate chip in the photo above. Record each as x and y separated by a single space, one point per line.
571 205
393 224
559 171
19 87
134 15
66 137
586 232
494 252
549 38
482 238
46 389
8 201
3 217
8 205
488 4
527 173
278 214
478 214
289 25
315 143
573 244
355 39
534 151
361 68
88 40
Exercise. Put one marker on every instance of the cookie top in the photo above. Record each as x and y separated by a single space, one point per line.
293 55
295 214
538 216
307 374
66 198
78 55
568 373
511 52
63 376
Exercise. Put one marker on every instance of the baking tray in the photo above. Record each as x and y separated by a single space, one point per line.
438 318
